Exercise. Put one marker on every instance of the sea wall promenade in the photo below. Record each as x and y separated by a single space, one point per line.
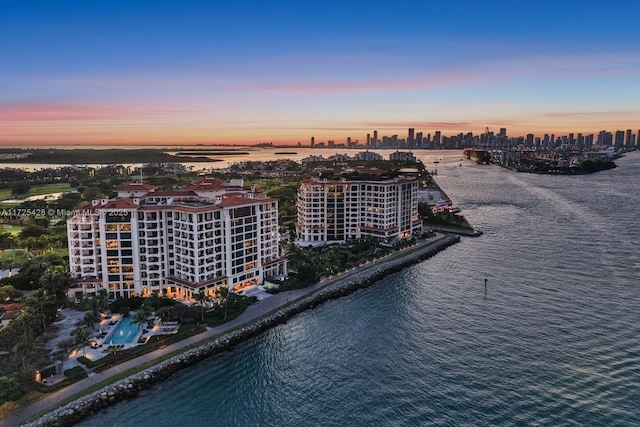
308 298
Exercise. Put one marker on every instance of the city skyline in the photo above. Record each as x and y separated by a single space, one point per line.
115 73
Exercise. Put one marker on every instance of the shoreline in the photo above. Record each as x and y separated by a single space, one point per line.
343 284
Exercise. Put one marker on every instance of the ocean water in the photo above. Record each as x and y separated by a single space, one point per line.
554 340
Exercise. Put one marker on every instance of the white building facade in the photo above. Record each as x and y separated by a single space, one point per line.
175 243
336 211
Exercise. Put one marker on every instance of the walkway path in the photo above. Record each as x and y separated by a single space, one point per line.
253 312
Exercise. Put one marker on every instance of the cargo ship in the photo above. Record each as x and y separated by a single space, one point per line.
477 155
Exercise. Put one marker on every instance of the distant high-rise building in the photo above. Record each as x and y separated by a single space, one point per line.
375 138
588 140
619 140
437 138
313 141
368 140
528 142
605 138
503 135
411 137
419 139
629 140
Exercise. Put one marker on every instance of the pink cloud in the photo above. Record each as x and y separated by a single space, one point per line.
591 115
477 73
416 124
431 81
56 112
52 112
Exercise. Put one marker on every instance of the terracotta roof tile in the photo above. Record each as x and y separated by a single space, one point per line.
124 203
170 193
135 186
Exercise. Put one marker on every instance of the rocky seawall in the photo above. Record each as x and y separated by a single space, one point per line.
130 386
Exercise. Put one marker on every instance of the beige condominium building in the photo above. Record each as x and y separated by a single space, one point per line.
175 243
339 210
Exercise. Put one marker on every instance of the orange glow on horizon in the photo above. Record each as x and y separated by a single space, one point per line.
104 125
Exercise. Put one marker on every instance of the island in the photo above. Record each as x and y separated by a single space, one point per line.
172 324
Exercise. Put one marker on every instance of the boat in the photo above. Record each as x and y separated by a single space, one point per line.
477 155
444 206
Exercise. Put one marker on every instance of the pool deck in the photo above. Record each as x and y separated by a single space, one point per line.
103 345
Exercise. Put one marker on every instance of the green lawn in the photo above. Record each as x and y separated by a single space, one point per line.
36 190
10 228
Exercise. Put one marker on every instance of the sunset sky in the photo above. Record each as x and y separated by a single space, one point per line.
186 72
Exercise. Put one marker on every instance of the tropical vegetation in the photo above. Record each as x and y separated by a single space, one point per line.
33 242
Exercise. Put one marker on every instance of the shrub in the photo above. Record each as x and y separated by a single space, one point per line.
88 363
132 303
11 388
75 372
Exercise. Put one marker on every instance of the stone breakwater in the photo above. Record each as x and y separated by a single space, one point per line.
130 386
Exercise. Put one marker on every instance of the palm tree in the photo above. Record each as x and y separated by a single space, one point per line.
141 317
82 338
55 280
223 295
90 319
153 301
36 245
164 314
201 297
61 356
38 301
28 322
102 300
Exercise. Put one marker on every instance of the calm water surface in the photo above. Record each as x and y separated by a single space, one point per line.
554 340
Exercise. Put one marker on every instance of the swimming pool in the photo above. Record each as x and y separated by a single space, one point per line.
124 333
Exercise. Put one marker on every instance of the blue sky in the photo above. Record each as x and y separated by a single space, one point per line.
145 72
